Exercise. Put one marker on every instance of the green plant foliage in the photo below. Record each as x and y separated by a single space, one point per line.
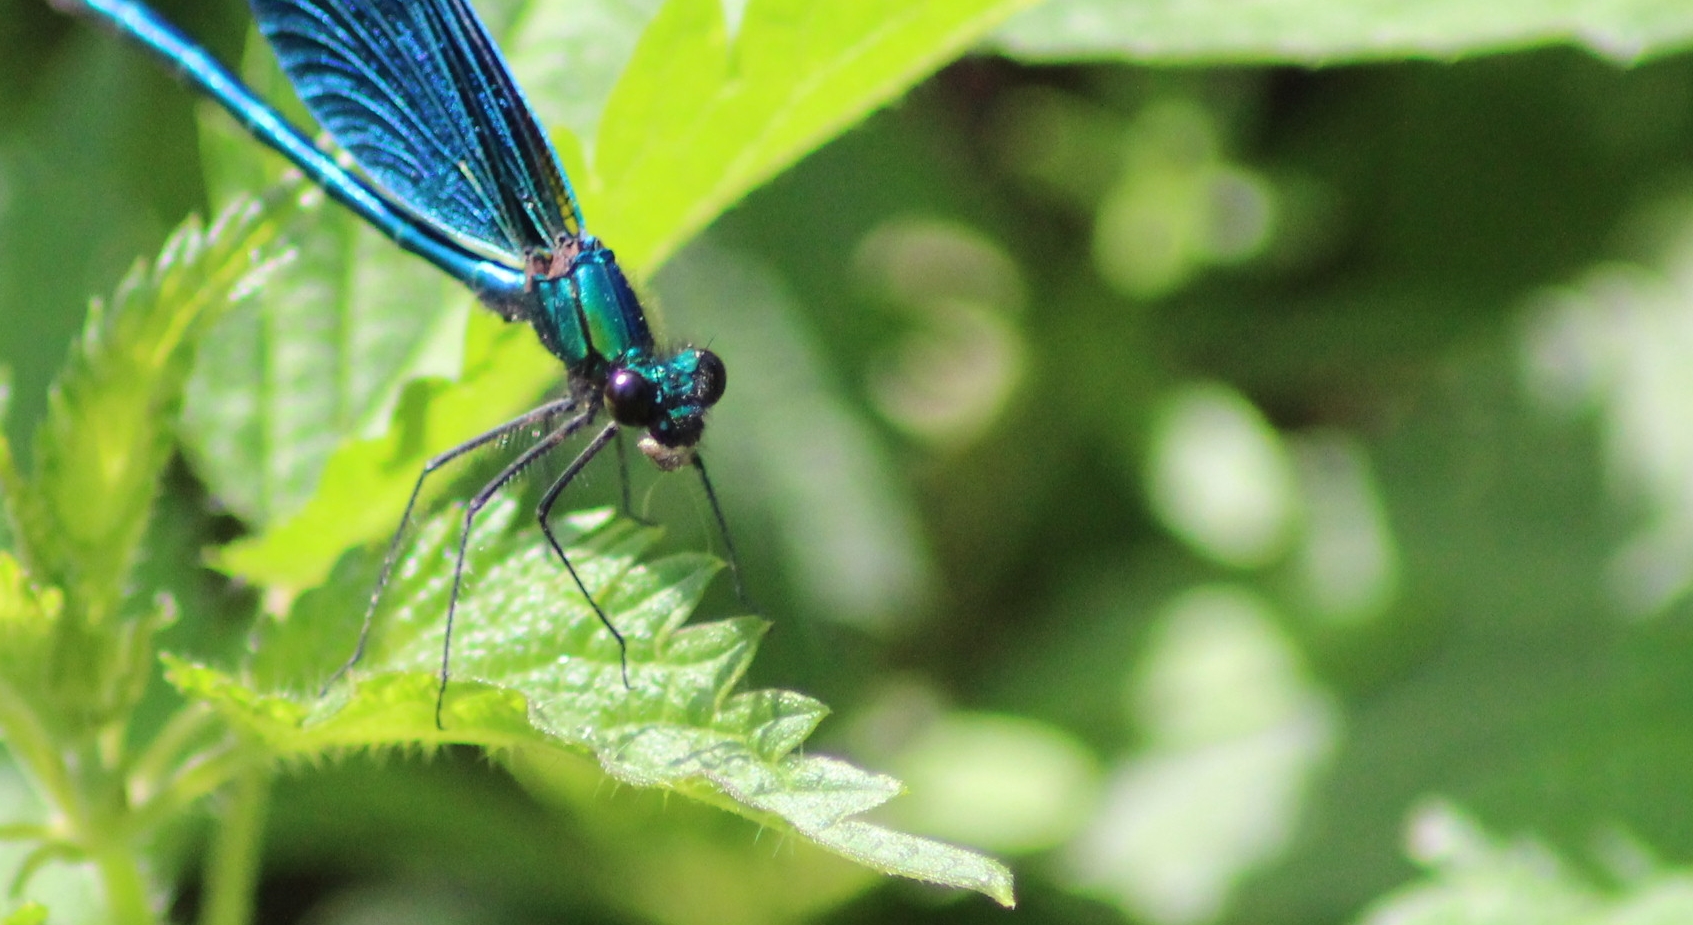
1473 877
80 513
550 680
365 482
107 434
698 121
1319 32
274 401
1235 495
78 653
533 668
683 137
30 913
316 357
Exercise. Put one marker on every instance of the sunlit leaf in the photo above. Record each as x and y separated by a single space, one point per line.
532 667
702 118
82 509
27 617
1322 32
317 357
697 121
30 913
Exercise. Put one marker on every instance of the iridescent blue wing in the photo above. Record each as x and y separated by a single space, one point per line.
418 94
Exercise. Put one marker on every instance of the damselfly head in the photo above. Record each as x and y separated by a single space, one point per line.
669 398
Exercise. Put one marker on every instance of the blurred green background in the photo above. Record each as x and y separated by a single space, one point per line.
1237 494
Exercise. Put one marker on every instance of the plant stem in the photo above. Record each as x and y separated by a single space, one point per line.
232 870
149 771
33 748
126 888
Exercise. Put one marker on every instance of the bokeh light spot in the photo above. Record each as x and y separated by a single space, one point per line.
1219 476
1236 731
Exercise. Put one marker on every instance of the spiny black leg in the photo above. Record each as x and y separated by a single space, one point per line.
623 479
527 419
545 509
524 460
723 528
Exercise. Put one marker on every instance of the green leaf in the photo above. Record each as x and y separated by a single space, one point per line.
686 134
700 119
714 869
60 677
1521 882
321 354
1324 32
11 481
30 913
365 482
568 55
27 617
532 668
80 514
316 357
